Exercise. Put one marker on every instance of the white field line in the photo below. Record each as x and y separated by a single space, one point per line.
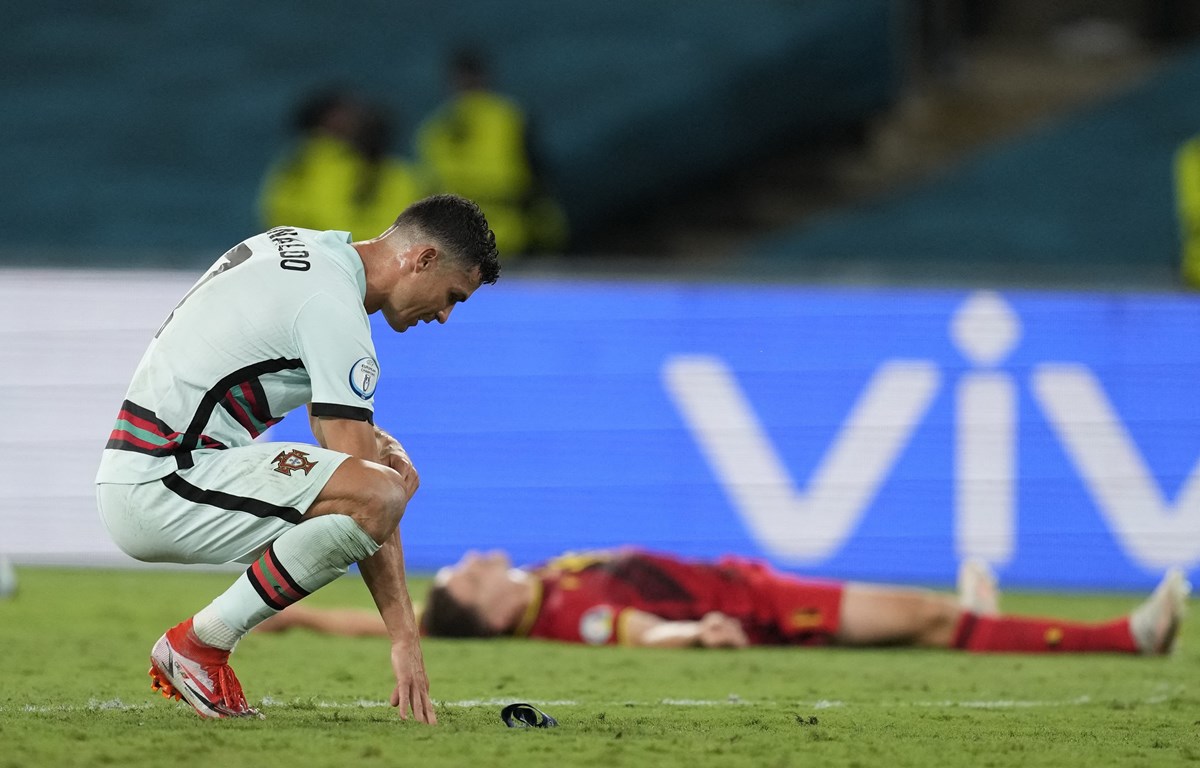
96 705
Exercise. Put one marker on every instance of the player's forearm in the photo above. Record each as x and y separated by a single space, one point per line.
383 573
354 438
643 629
314 424
670 634
713 630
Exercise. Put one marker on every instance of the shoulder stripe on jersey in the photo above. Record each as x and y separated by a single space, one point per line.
222 389
246 402
336 411
222 500
145 414
257 397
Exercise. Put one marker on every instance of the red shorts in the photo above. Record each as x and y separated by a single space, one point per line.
790 610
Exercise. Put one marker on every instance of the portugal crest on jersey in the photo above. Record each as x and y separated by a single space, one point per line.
291 461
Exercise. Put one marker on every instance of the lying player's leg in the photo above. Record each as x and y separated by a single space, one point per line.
875 614
880 615
1150 629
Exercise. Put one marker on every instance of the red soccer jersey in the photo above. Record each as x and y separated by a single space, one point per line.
582 597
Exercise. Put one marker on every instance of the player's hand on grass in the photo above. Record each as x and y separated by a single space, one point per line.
720 631
412 685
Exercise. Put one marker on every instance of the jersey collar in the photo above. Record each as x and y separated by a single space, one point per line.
531 610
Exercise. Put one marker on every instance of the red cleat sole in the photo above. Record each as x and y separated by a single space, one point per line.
162 685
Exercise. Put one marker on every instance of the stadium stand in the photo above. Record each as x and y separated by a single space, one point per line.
1087 199
137 133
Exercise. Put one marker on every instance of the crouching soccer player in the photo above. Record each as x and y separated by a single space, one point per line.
281 321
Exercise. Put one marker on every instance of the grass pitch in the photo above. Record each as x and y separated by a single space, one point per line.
74 645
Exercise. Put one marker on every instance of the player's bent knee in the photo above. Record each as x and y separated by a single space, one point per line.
389 499
373 495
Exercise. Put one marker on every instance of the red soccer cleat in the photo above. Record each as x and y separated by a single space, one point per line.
184 668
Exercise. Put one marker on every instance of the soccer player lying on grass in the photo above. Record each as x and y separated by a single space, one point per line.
634 597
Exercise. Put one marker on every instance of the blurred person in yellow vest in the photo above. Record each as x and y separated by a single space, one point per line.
1187 200
386 184
479 144
340 173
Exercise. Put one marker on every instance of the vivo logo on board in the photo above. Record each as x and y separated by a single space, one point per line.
1154 531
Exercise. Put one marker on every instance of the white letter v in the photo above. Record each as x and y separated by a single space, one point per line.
1152 531
800 527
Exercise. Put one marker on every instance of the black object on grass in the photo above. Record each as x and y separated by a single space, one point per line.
521 715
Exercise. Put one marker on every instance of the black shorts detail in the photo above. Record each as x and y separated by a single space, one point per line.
222 500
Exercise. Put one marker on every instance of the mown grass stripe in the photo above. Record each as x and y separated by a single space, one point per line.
117 704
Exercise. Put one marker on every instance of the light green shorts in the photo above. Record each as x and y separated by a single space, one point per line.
227 508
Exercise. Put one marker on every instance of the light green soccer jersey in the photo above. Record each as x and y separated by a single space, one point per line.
277 322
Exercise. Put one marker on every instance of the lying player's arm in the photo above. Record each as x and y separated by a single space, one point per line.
347 622
715 630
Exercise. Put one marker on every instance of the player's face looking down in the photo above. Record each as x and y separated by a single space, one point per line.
432 288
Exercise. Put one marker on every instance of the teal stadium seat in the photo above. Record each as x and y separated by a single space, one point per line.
1086 199
137 133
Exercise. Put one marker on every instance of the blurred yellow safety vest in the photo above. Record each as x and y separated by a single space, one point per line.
474 146
1187 200
321 186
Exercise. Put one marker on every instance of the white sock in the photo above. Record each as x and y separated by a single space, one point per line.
298 563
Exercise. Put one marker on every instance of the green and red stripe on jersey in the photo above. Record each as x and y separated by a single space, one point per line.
217 394
246 402
273 583
139 430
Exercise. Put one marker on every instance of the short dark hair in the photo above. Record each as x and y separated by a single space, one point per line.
458 224
443 616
